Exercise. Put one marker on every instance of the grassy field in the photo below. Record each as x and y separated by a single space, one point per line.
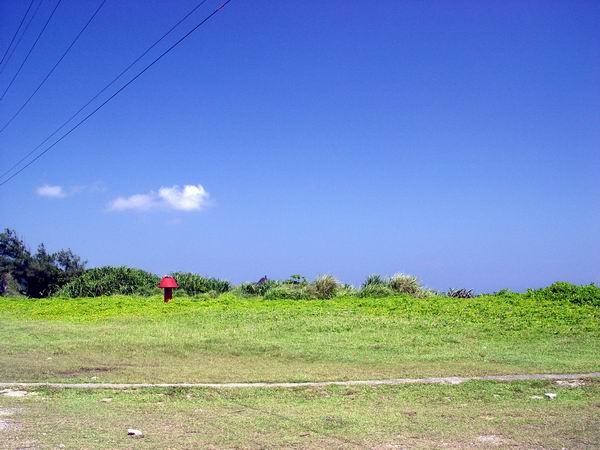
131 339
470 415
137 339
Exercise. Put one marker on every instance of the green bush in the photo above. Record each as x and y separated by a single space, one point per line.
192 284
404 284
505 293
426 293
288 292
111 281
325 286
9 286
375 280
256 289
296 279
375 290
345 290
588 294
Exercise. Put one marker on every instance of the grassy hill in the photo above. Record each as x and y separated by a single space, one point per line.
141 339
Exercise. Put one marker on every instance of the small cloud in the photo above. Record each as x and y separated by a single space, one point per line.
55 191
191 197
51 191
142 202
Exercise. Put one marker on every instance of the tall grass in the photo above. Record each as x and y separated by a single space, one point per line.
404 284
375 280
325 286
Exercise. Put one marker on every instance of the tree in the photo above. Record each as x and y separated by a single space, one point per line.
14 258
38 275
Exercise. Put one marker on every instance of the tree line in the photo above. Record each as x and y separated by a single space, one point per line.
34 274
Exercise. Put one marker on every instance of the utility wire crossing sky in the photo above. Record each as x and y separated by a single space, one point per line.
202 22
456 141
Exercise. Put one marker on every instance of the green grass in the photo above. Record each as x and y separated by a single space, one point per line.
470 415
137 339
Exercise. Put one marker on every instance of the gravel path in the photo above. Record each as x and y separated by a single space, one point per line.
394 381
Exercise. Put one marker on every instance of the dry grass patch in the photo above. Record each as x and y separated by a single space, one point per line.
471 415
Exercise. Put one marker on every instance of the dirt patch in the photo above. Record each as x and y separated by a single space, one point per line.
4 412
389 447
7 424
86 371
13 393
490 439
570 383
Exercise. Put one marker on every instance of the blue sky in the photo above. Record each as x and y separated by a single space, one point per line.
457 141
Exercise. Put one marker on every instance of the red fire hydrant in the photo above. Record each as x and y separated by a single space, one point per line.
168 283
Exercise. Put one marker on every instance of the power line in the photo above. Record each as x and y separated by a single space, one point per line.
16 32
30 50
168 50
12 52
51 135
55 66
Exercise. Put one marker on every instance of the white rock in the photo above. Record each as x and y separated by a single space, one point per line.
550 395
106 400
490 438
135 433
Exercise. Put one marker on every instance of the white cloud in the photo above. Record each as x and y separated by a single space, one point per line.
51 191
55 191
191 197
138 201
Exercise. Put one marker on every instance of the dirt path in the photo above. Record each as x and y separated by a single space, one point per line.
395 381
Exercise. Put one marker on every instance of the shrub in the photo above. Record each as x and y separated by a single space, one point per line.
192 284
375 290
9 286
375 280
296 279
404 284
461 293
582 295
111 281
346 289
426 293
504 293
287 292
254 289
325 286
